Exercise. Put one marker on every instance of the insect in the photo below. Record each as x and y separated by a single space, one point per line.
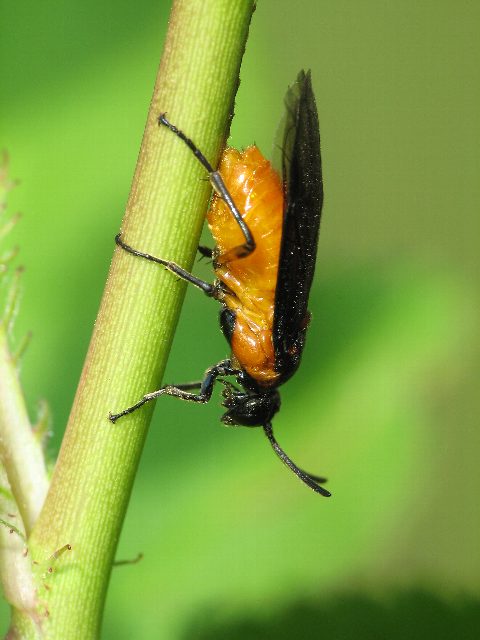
266 230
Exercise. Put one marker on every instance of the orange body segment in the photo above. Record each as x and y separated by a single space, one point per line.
256 189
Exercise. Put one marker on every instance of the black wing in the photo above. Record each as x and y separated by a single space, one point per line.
303 192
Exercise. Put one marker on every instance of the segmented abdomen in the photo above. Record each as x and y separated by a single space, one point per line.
256 189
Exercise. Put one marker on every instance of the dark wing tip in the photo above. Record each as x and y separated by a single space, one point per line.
303 199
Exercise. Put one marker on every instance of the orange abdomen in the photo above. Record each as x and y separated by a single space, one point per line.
256 189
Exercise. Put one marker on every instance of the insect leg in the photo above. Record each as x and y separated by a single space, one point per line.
207 288
205 252
221 190
183 391
310 481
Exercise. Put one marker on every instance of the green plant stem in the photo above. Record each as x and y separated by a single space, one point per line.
94 474
23 489
20 452
24 485
15 565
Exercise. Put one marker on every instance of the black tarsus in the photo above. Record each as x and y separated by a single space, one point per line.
216 180
207 288
311 481
223 368
205 252
162 119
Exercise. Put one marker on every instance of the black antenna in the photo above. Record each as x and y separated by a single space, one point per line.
310 481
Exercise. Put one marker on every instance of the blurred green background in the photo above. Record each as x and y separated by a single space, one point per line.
387 399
